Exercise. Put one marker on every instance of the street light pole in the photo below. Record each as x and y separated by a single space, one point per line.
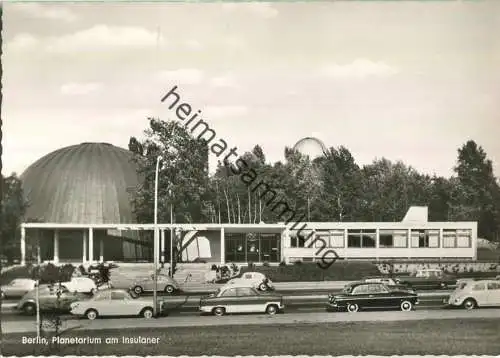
156 241
171 234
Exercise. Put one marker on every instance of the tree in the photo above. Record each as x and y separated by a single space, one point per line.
13 209
183 173
476 195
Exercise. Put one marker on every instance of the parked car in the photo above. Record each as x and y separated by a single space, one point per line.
165 283
389 282
255 279
428 279
17 287
241 298
114 302
81 285
48 300
365 295
473 294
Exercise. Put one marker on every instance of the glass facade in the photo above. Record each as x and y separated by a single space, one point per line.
253 247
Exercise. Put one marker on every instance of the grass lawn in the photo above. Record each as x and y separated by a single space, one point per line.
433 337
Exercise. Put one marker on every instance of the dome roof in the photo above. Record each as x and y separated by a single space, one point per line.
84 183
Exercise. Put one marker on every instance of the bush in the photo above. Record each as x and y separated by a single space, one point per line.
266 264
251 266
282 263
214 268
298 263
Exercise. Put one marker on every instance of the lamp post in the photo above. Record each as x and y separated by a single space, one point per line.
171 234
156 241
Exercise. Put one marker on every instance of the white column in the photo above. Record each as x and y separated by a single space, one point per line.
84 250
222 247
23 246
162 245
56 246
156 236
91 245
101 250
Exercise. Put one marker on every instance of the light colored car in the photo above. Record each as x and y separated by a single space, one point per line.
241 298
81 285
18 287
165 283
114 302
473 294
48 299
255 279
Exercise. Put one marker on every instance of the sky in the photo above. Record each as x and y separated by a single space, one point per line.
409 81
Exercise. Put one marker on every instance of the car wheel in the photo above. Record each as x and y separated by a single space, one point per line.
219 311
93 291
352 307
147 313
406 306
263 287
2 294
91 314
469 304
29 308
138 290
272 309
169 289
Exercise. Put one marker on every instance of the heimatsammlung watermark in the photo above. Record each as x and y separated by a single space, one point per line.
218 146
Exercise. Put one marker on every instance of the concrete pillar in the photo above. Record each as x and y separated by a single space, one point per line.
56 246
222 247
162 246
23 246
91 245
156 236
84 250
101 250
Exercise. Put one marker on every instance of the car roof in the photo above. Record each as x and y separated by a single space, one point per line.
237 285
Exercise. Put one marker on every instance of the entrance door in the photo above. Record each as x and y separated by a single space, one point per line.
270 247
253 249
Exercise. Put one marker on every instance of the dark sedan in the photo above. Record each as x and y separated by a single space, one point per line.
367 295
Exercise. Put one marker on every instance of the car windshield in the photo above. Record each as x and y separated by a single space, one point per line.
462 285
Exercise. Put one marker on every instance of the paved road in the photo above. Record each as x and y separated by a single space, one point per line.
288 318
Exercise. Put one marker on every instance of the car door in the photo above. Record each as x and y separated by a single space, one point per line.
378 296
493 293
118 304
359 295
229 299
16 289
480 293
249 300
100 302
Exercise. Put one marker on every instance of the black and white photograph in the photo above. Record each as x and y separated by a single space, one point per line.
250 178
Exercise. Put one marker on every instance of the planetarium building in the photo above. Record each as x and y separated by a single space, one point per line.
80 210
76 186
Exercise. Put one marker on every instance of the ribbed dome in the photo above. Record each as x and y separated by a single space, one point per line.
85 183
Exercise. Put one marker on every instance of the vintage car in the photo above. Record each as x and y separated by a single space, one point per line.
17 288
365 295
241 298
428 279
473 294
114 302
389 282
48 299
81 285
165 283
255 279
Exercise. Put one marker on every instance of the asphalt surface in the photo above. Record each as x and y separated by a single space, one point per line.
291 317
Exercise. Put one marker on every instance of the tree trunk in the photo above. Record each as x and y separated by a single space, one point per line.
228 210
239 208
234 213
249 206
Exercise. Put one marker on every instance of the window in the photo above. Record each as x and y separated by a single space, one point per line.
360 290
376 288
248 276
393 238
106 295
229 293
361 238
118 295
322 240
245 291
464 238
479 287
337 238
449 238
493 285
424 238
297 240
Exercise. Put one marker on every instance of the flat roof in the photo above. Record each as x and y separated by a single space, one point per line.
235 228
